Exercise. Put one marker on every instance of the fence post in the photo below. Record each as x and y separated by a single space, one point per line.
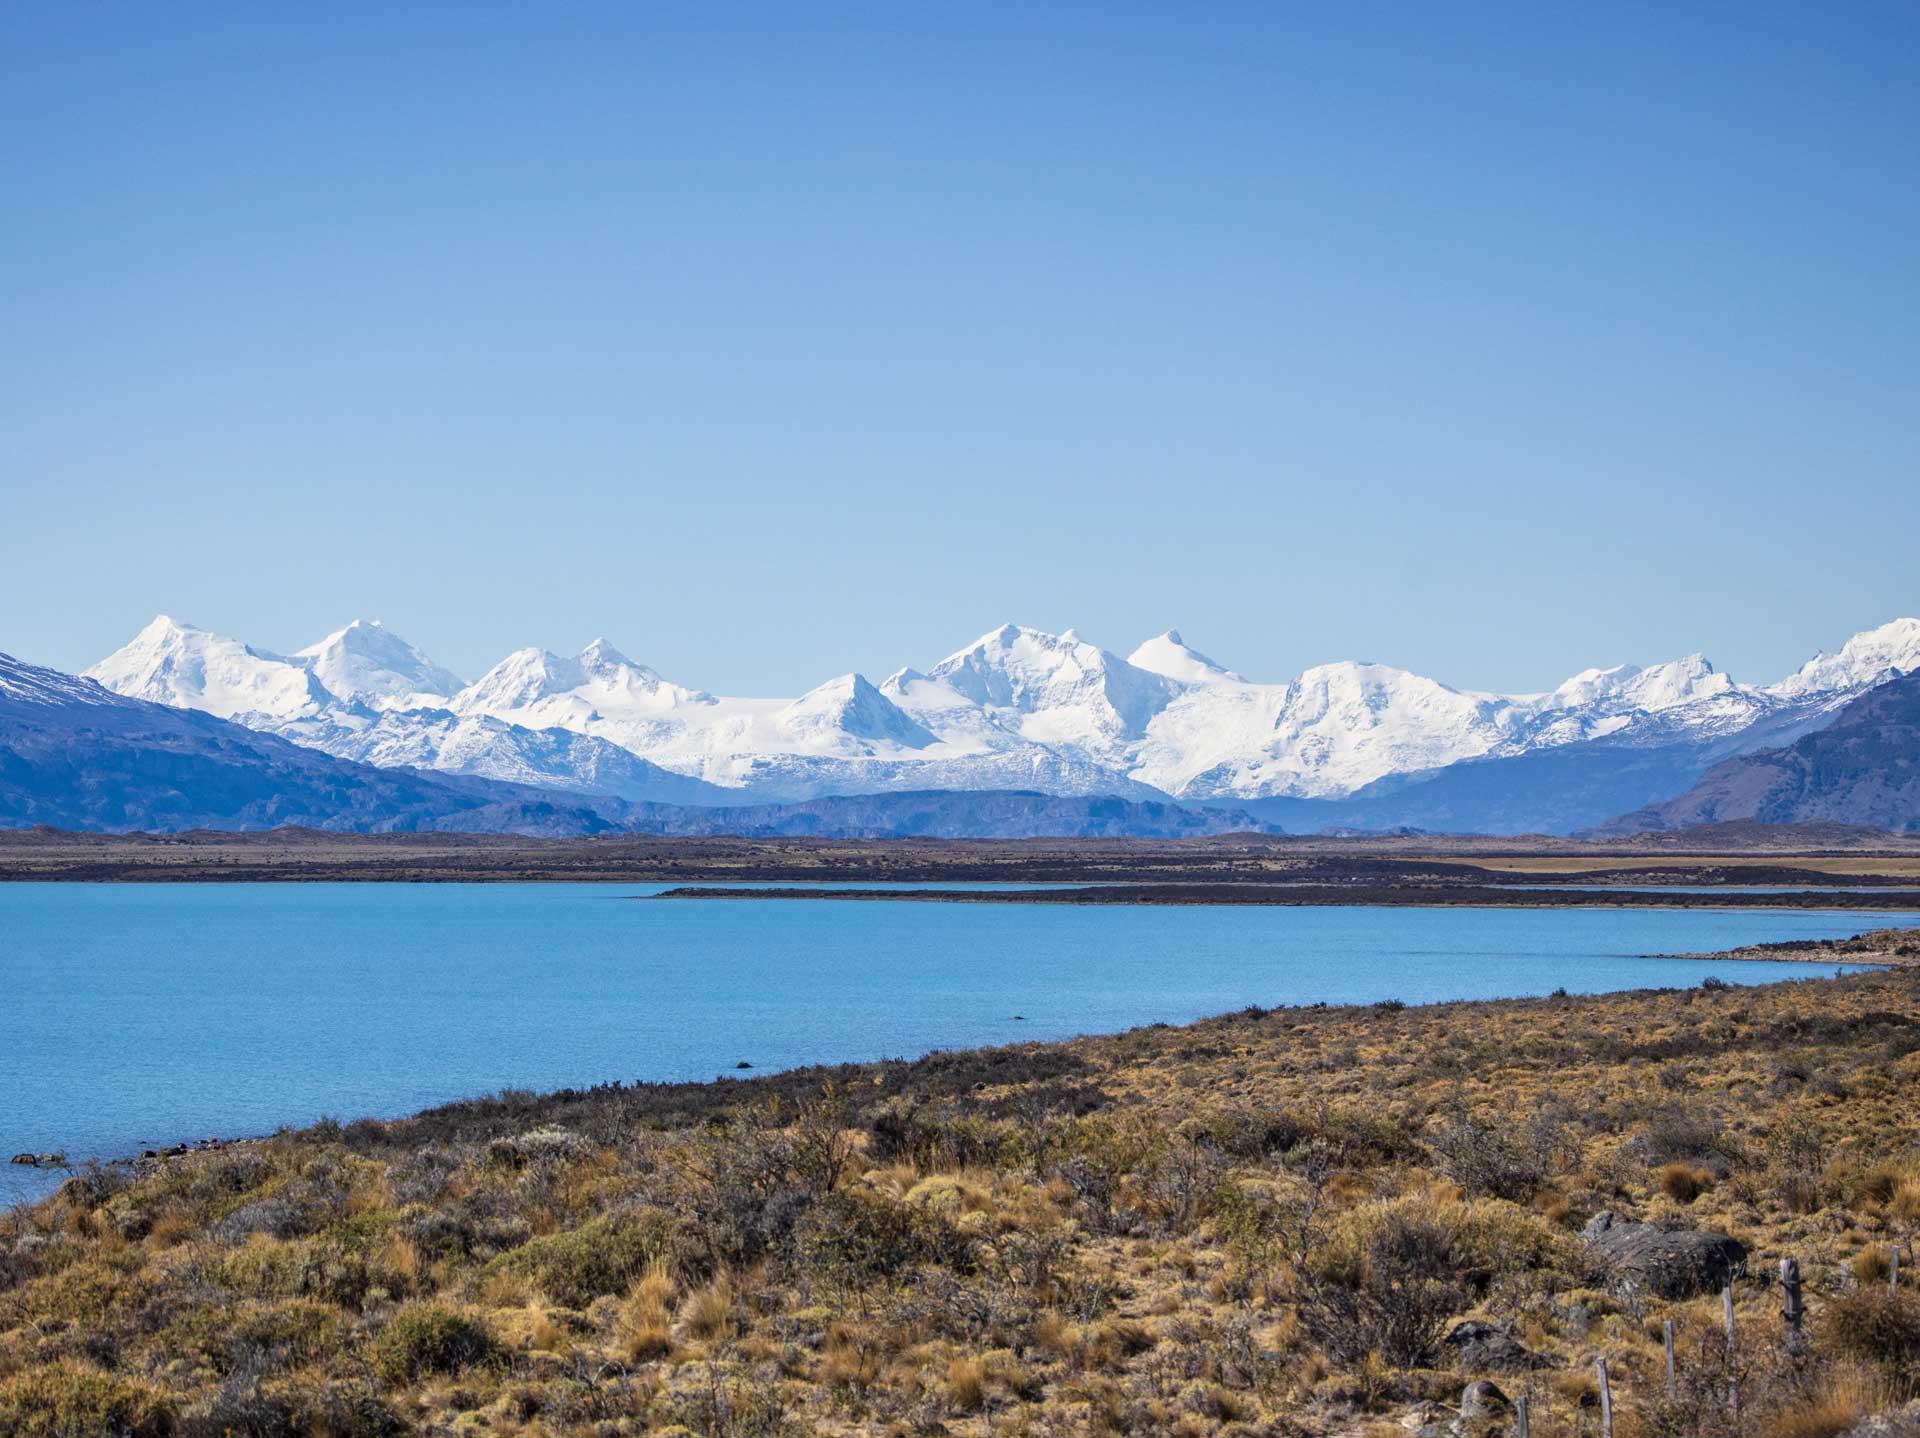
1893 1278
1733 1383
1522 1428
1673 1386
1792 1309
1606 1398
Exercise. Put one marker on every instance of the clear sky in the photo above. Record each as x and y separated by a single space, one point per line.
1491 340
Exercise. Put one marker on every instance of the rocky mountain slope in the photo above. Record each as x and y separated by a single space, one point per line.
1864 768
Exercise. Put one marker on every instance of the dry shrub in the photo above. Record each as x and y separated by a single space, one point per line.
708 1311
1683 1182
1841 1398
966 1385
852 1358
1871 1264
1877 1327
646 1320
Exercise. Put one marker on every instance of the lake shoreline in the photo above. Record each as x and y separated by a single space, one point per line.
1200 895
1876 951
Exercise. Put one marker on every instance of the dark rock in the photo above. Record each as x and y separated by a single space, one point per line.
1491 1347
743 1064
1677 1264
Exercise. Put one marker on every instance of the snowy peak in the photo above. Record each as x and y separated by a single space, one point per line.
367 663
190 668
1171 657
853 712
1654 688
600 657
534 686
1864 660
1059 676
524 678
1361 695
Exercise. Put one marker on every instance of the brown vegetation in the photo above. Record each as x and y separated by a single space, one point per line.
1300 1221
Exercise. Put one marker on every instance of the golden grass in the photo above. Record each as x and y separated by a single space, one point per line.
1122 1235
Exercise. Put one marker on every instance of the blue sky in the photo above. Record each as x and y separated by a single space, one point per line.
1489 340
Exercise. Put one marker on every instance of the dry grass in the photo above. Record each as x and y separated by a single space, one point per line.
1264 1222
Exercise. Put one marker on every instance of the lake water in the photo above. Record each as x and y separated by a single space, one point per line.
139 1015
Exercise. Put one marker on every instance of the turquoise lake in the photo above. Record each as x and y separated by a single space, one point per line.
140 1015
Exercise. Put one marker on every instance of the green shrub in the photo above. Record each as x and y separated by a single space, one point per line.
67 1401
600 1257
1389 1275
428 1338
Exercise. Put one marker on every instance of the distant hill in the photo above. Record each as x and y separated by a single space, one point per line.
1863 769
948 814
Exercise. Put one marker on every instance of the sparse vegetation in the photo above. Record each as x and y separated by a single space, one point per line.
1293 1221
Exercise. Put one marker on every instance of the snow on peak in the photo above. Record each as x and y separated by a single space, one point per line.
1172 657
525 677
367 663
850 709
600 657
538 688
172 663
1081 691
1862 661
1651 689
1017 704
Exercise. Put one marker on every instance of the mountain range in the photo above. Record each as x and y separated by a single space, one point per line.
76 755
1347 744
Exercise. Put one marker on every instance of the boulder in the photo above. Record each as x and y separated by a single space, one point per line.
1490 1348
1665 1263
1482 1402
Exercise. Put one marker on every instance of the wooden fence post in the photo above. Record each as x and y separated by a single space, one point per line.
1522 1427
1893 1278
1733 1383
1792 1310
1673 1385
1606 1398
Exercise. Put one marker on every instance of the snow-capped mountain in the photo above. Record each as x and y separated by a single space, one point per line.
1017 708
188 668
366 663
1867 659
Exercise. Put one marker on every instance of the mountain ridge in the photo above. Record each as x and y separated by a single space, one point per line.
1862 769
1024 708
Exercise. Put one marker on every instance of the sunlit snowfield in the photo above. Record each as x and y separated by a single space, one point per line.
136 1016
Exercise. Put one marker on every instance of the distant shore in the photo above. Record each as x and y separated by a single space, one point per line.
1301 895
1884 948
